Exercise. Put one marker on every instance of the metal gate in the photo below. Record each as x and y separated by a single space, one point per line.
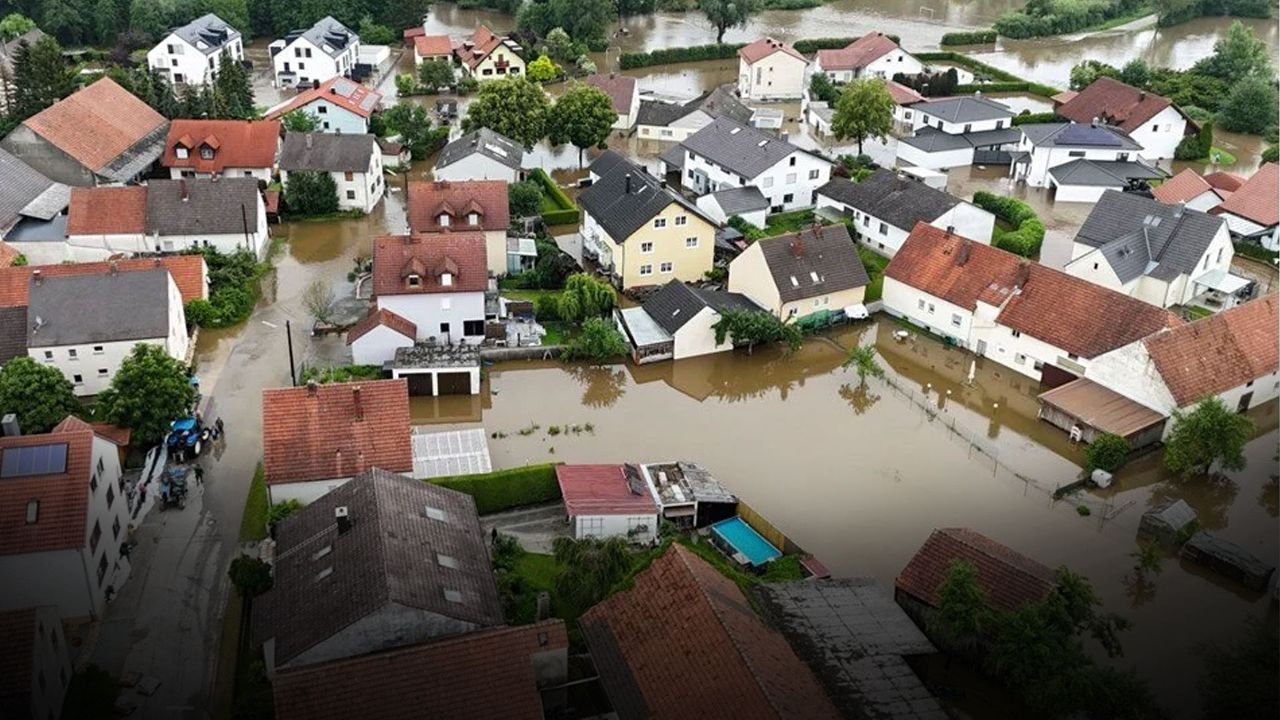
419 384
454 383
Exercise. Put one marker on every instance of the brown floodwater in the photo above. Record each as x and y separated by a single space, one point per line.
859 477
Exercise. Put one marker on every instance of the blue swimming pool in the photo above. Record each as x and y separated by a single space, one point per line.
739 536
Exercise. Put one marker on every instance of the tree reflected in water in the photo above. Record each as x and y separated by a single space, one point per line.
602 385
859 397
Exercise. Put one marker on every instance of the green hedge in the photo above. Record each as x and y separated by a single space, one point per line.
696 53
505 489
1033 118
979 37
1028 233
1000 80
1255 251
558 209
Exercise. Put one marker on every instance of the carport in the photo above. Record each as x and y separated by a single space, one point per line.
433 369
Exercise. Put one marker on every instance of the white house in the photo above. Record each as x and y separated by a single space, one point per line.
746 202
35 651
480 155
958 131
1034 320
436 281
227 148
190 55
674 120
810 272
961 115
728 154
432 48
1197 192
323 51
769 69
375 339
1251 212
86 325
317 437
339 105
604 501
885 207
485 55
354 162
68 518
1151 120
678 322
1078 162
623 92
1161 254
872 55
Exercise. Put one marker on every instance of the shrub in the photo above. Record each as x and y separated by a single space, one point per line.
1271 154
1028 232
599 341
281 510
546 307
405 85
504 489
524 198
977 37
1030 118
667 56
1107 452
558 209
1195 147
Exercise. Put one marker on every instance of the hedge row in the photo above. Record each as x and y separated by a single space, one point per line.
815 44
565 212
1001 81
1255 251
696 53
979 37
1033 118
1028 232
505 489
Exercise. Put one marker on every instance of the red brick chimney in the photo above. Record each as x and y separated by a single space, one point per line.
355 400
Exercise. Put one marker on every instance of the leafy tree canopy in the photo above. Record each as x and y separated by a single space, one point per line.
1250 106
724 14
584 116
513 106
864 110
1236 55
1208 436
40 395
524 198
15 25
150 390
311 193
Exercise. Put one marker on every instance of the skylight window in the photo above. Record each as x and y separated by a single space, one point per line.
735 131
762 143
448 561
322 552
814 276
452 595
324 573
435 513
794 282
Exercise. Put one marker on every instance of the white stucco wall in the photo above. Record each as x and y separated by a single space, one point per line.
791 184
606 526
936 314
908 155
709 205
778 76
378 346
1036 172
429 310
968 220
923 118
1160 135
476 167
304 492
696 337
177 173
1079 193
50 665
174 57
318 67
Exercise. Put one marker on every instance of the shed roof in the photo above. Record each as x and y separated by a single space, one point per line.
590 490
1101 408
739 200
382 318
1009 578
25 190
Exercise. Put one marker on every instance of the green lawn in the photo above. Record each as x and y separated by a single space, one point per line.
790 222
557 333
1224 157
875 265
1196 312
536 573
253 526
530 295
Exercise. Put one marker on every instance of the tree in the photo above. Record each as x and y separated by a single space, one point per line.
148 16
724 14
1198 146
1250 106
560 46
435 74
413 124
1107 452
300 121
311 193
1083 74
40 77
15 25
250 575
598 341
864 110
862 358
963 617
40 395
374 33
584 116
585 297
756 327
320 300
821 88
543 70
1237 55
106 21
1136 72
524 198
149 391
234 89
590 567
1210 434
513 106
585 21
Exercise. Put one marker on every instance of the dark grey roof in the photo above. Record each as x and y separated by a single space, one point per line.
331 36
13 333
409 543
739 148
106 307
827 254
986 138
1102 173
621 212
854 637
674 158
1076 135
737 200
486 142
967 108
930 139
605 164
899 201
327 151
208 30
1134 231
717 103
211 207
26 191
676 303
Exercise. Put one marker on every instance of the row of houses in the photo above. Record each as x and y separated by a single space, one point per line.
483 55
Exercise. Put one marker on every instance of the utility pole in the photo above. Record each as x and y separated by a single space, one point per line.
288 332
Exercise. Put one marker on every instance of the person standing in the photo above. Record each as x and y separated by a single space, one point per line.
199 475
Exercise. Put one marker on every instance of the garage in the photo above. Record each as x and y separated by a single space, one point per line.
452 383
432 369
420 384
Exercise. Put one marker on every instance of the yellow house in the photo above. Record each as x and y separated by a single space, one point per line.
641 232
796 275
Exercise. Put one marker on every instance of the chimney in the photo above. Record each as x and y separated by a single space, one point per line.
797 246
355 400
627 188
114 268
951 230
962 257
182 189
313 387
10 424
1142 95
159 263
38 276
343 517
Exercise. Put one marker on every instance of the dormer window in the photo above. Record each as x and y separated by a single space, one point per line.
180 152
206 152
473 219
444 220
414 281
446 279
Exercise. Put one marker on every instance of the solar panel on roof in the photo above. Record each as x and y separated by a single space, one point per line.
34 460
1088 135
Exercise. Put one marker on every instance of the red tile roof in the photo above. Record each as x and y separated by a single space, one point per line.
602 490
621 90
97 124
901 94
414 32
461 254
1219 352
483 42
683 642
1256 199
236 143
432 45
1230 182
189 273
486 198
475 676
1067 312
113 434
362 100
7 254
1182 187
107 211
766 46
1115 103
335 431
857 54
63 497
1009 578
382 318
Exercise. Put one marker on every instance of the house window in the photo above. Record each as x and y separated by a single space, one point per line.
956 320
968 127
77 380
646 247
103 372
659 222
473 328
1075 153
180 153
682 220
920 304
931 308
1219 260
443 220
646 270
322 109
792 161
999 124
206 153
446 279
884 229
472 219
792 313
97 350
788 198
1072 356
767 183
33 511
351 194
791 178
1020 359
691 242
94 537
666 267
813 174
414 281
444 328
1037 365
592 526
1016 333
348 176
71 354
48 355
